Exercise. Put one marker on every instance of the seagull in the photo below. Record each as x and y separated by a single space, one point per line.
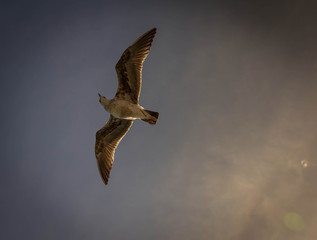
124 108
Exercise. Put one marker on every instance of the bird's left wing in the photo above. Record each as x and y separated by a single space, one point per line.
129 67
107 140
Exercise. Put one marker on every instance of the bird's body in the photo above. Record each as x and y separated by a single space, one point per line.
124 107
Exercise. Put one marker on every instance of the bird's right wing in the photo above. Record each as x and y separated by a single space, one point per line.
107 140
129 67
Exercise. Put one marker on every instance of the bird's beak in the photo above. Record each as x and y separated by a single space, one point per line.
99 94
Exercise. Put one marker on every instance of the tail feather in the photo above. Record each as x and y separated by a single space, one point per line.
153 114
150 120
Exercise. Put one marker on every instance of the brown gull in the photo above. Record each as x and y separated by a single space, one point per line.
124 107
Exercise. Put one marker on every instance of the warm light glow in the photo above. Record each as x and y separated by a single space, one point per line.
294 221
304 163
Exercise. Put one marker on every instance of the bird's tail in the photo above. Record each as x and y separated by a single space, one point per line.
152 119
153 114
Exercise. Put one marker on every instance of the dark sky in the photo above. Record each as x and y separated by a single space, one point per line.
233 156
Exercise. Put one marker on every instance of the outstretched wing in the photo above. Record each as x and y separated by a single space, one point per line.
129 67
107 140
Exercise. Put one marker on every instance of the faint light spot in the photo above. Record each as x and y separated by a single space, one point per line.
304 163
294 221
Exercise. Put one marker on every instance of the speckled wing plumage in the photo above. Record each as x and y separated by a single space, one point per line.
107 140
129 67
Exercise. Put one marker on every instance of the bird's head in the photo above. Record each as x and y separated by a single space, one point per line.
103 100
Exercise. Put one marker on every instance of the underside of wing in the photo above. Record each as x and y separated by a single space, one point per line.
129 67
107 140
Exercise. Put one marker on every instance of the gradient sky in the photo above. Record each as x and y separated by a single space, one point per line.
235 83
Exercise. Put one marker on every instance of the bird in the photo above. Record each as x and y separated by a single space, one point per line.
124 108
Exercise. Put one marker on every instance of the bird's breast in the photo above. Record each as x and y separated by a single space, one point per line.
125 110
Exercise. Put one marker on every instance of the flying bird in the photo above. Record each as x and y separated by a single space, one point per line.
124 108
